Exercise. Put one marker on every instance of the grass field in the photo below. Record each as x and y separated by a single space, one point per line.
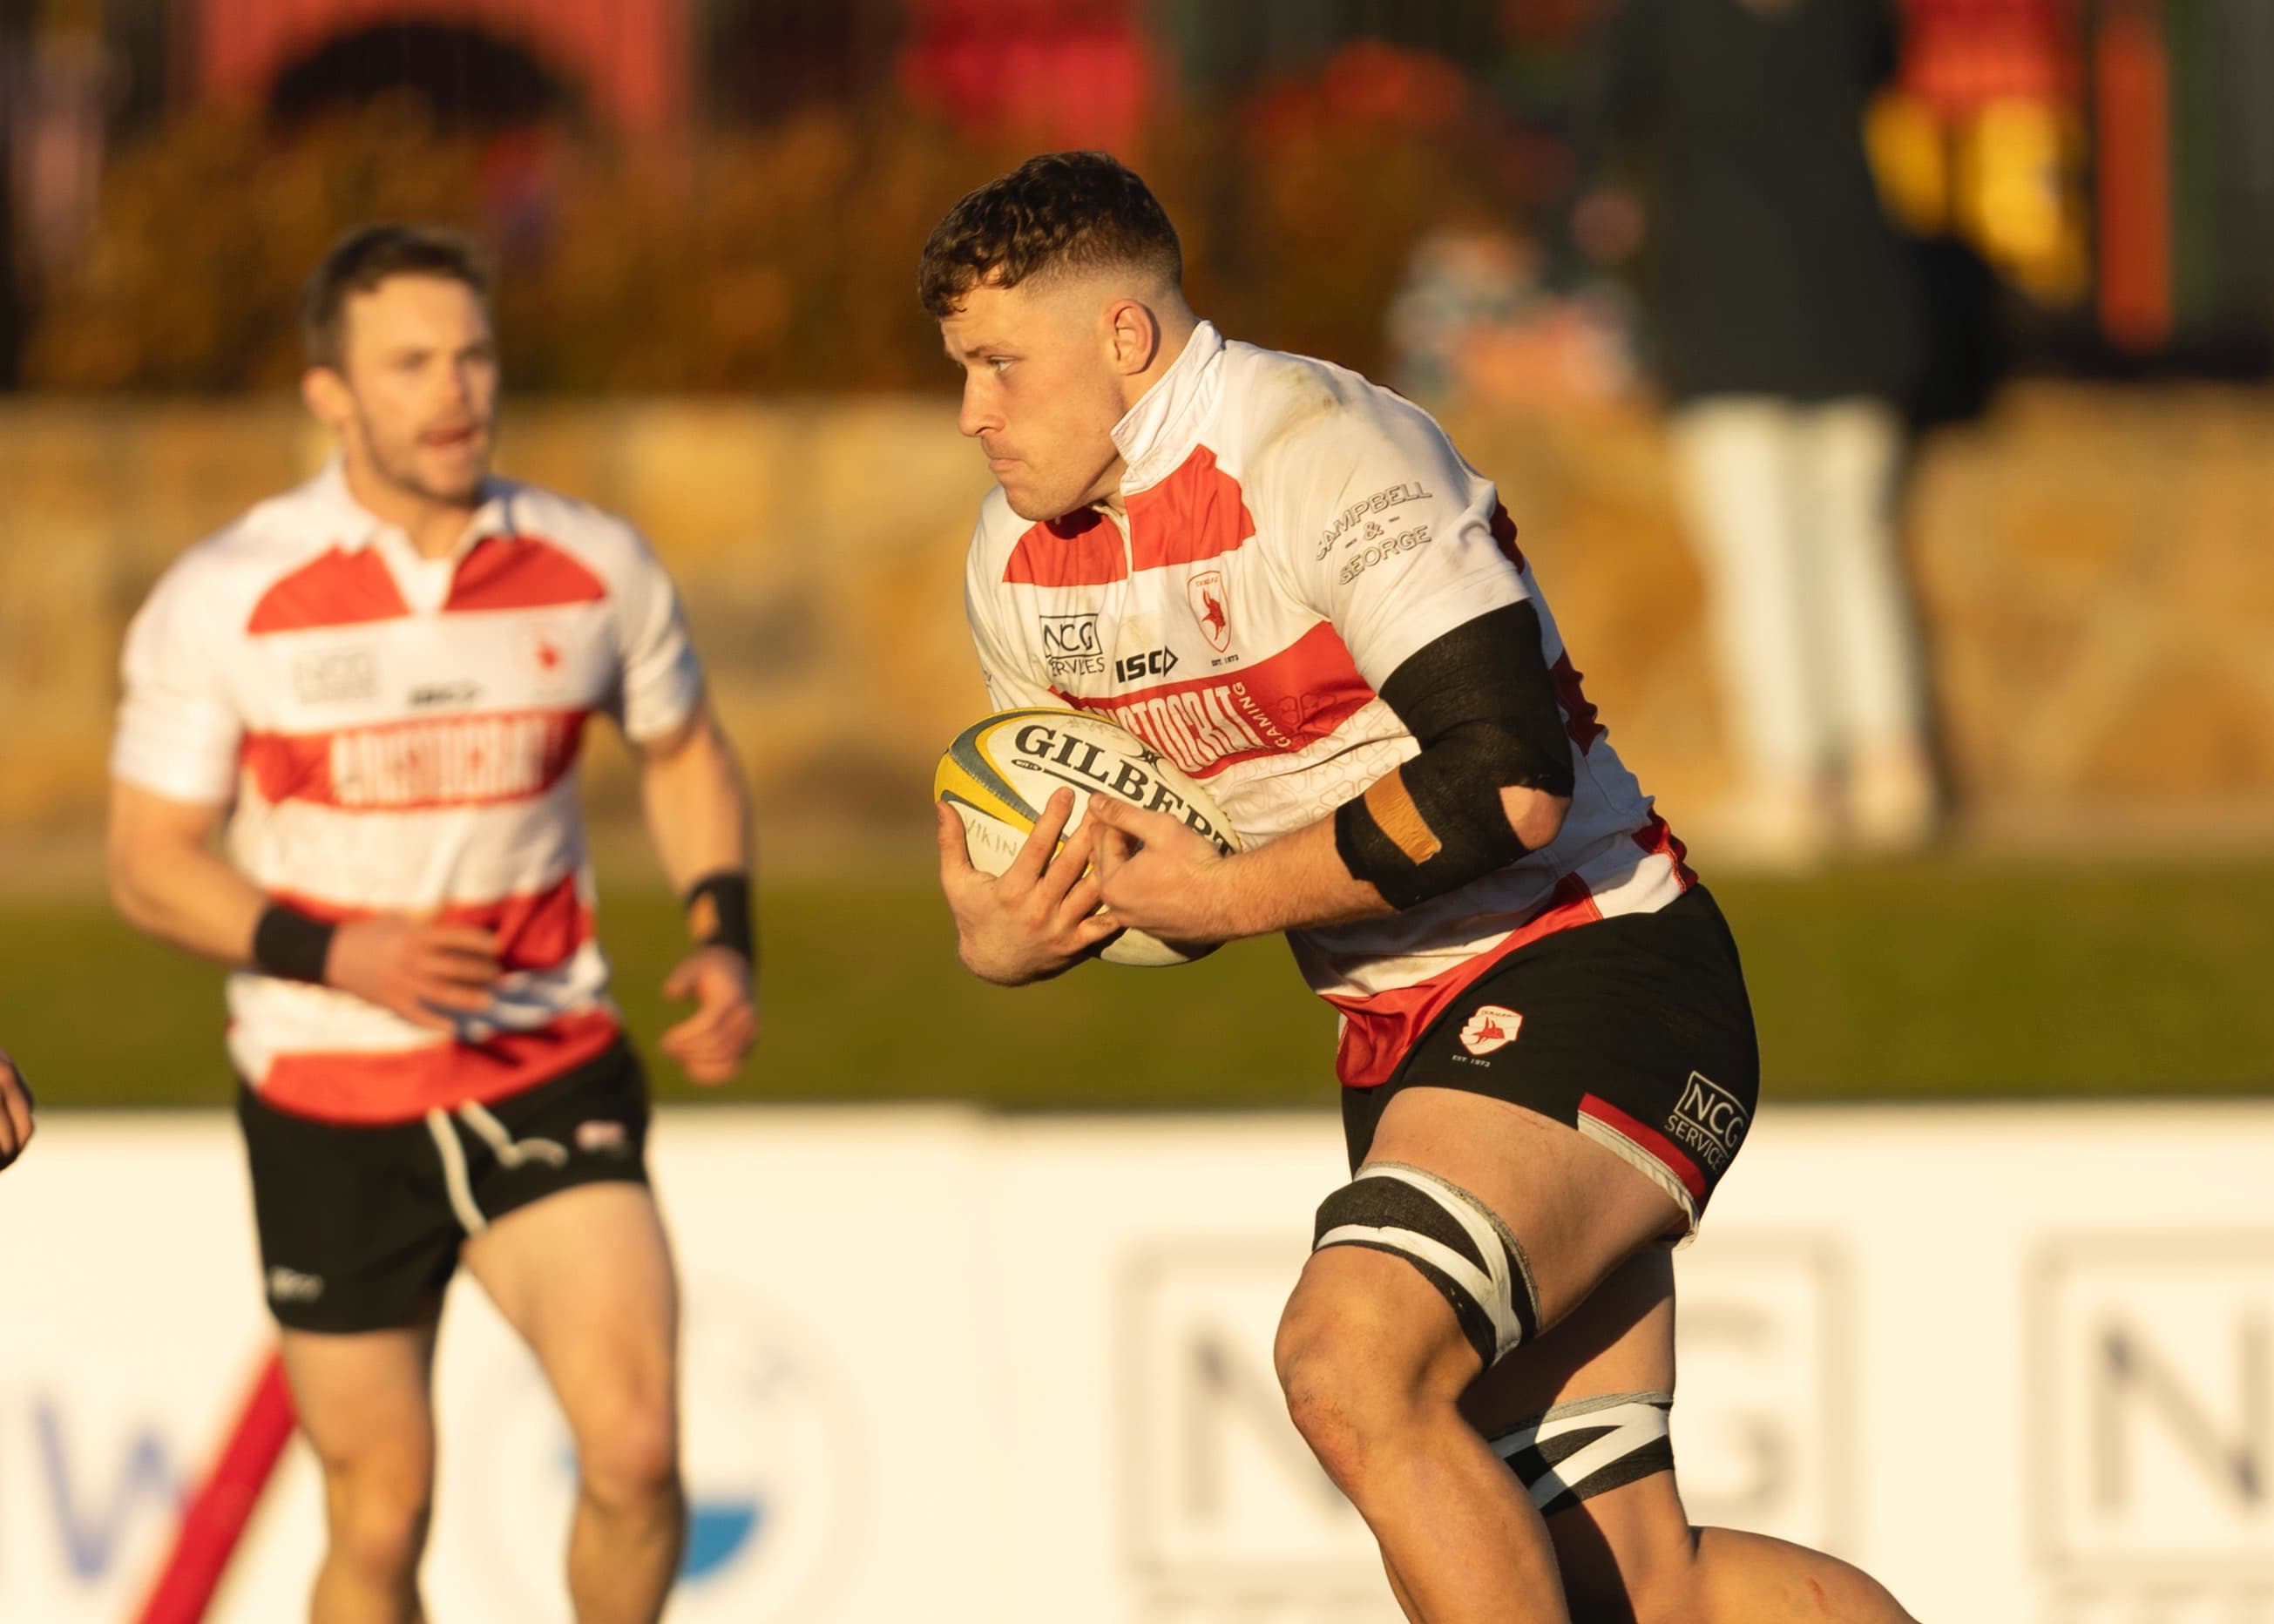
1940 979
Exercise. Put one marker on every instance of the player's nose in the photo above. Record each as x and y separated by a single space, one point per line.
977 415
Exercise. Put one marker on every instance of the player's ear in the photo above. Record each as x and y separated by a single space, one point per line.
325 393
1133 335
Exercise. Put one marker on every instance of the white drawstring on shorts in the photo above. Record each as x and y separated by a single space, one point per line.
511 1152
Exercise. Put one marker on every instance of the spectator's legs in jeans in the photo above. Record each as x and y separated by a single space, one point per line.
1849 460
1736 457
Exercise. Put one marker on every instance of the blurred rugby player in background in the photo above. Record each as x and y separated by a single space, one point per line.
377 684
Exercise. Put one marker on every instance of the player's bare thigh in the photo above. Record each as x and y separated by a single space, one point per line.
1590 1225
1576 1210
1364 1323
366 1401
585 1276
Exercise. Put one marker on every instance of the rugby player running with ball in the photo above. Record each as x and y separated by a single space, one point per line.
380 681
1309 601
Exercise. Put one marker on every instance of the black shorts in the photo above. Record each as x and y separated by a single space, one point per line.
360 1226
1635 1030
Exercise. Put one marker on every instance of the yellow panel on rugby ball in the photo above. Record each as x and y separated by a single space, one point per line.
1001 771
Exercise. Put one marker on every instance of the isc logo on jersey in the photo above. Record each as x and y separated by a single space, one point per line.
999 772
1137 667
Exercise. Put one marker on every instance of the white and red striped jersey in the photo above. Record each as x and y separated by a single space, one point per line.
400 734
1288 533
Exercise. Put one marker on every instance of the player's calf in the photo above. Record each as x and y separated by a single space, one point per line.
1629 1555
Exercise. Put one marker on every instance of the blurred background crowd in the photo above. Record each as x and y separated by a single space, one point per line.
2091 182
1879 386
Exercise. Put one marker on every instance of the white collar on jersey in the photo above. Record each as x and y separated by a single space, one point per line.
1157 435
356 527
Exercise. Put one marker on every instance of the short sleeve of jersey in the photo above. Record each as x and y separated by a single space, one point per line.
1011 682
1392 536
178 731
662 678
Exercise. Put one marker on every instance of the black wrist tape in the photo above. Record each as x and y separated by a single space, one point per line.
1481 704
290 944
719 913
1387 840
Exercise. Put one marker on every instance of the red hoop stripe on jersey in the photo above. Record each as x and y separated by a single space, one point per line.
479 759
521 572
1504 531
1082 549
1196 513
403 1085
1649 1140
1579 716
1660 841
1379 1030
337 588
535 930
1287 702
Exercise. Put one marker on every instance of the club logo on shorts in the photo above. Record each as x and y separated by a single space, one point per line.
1709 1120
600 1137
286 1285
1493 1027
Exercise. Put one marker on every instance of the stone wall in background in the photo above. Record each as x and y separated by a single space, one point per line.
2096 569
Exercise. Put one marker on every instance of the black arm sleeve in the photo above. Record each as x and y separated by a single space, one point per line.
1481 703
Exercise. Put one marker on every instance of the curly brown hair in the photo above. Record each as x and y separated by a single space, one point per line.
1065 211
362 258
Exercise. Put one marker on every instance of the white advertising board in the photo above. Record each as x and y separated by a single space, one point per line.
2018 1361
836 1445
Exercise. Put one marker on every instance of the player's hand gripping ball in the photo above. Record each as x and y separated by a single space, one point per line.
999 772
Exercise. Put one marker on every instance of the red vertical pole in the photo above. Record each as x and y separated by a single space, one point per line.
214 1521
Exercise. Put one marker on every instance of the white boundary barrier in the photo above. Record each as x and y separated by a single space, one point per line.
2017 1360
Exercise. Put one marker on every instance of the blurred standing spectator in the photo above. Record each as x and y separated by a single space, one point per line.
15 73
1789 327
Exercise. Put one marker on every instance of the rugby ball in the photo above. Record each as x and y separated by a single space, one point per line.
1002 770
